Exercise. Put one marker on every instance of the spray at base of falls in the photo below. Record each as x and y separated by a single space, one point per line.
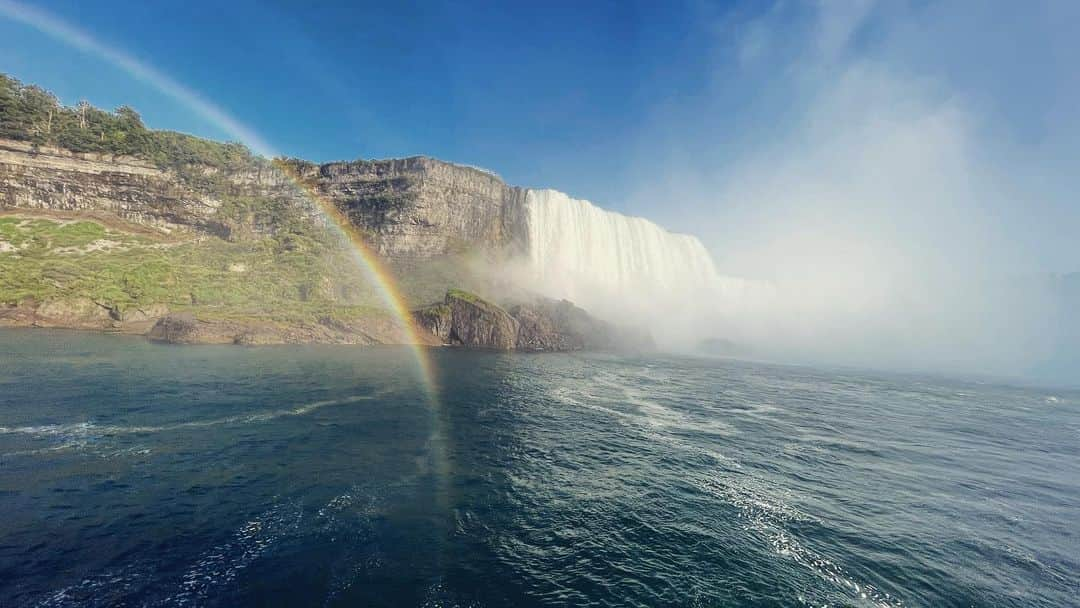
628 269
631 271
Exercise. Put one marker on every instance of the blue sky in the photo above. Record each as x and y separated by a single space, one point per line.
742 122
479 83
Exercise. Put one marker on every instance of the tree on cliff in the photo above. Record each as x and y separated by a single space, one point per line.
30 113
26 112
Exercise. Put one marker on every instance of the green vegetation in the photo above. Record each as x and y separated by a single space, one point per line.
461 294
271 262
30 113
474 299
292 276
40 234
426 281
440 309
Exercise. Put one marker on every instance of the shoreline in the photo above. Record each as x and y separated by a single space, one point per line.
188 328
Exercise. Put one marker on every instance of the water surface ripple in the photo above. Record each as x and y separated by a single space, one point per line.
138 474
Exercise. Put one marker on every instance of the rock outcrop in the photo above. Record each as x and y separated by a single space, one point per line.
559 325
436 320
464 319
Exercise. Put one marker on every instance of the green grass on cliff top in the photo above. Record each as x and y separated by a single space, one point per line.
468 296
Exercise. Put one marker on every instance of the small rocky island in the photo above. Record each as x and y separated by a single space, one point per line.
107 225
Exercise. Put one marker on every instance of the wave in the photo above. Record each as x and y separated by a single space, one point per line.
82 434
616 395
219 567
107 588
767 515
347 520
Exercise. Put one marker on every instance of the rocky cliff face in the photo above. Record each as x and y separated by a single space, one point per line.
52 179
422 207
550 325
409 208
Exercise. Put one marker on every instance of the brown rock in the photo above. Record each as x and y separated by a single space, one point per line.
74 312
465 319
143 314
477 323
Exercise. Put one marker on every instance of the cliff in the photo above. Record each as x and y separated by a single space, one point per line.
223 248
85 160
52 179
421 207
108 225
408 208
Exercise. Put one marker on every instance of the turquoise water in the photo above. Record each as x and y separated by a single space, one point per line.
147 475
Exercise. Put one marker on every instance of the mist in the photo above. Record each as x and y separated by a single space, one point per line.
891 214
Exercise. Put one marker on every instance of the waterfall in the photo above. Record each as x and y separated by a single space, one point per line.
620 267
574 241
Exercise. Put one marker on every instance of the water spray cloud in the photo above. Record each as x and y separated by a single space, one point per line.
887 198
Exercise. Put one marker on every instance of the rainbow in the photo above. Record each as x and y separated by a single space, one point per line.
381 277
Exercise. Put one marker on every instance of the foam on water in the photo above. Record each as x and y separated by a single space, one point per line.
766 514
80 435
345 520
217 569
766 511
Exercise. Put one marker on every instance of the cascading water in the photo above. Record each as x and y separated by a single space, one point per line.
576 240
624 268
